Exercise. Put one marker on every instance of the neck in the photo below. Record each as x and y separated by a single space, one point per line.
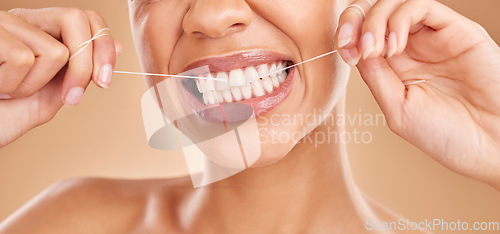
311 187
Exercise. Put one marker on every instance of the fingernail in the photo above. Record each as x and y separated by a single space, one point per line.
368 44
105 76
345 34
392 44
351 56
118 48
74 96
5 96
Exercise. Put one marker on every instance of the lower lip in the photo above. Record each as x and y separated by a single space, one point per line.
238 111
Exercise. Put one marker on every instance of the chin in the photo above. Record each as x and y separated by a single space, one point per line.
271 154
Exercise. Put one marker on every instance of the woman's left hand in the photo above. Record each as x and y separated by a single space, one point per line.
435 75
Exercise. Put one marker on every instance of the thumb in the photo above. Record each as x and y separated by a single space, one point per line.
386 87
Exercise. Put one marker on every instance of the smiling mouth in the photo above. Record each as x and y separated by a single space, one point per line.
254 79
239 84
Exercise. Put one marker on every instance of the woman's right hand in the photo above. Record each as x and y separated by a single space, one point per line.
36 76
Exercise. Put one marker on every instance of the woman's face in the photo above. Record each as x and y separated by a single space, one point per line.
234 36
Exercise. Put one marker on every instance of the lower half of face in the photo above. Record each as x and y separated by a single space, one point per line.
243 45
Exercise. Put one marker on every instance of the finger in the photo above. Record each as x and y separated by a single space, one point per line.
41 107
118 47
373 42
386 87
5 97
49 100
50 55
349 30
75 29
350 56
72 26
104 51
16 60
413 15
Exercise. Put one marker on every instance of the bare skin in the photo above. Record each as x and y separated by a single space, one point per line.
265 200
297 188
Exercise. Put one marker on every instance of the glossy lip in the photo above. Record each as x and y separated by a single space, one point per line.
238 60
231 111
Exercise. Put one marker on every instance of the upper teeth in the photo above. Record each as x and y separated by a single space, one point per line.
241 84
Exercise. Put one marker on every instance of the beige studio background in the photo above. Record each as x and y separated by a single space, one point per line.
104 136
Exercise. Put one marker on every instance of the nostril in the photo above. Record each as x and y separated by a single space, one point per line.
235 28
216 19
197 34
215 33
237 25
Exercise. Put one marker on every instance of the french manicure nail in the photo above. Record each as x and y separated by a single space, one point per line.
351 56
74 96
392 44
105 75
345 34
368 44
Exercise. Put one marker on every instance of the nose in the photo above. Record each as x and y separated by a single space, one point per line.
217 18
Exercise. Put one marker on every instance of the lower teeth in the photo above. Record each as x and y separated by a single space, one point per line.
257 88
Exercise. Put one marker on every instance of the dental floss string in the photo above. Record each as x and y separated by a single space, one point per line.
99 35
205 78
361 11
87 43
357 7
164 75
309 60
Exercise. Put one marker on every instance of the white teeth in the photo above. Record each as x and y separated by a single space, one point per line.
227 95
246 91
282 77
222 83
241 84
276 82
237 78
200 84
263 70
282 74
251 75
258 89
272 71
215 99
268 84
211 97
236 91
219 97
205 98
280 66
209 83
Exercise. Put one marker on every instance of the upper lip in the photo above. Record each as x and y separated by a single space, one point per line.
238 60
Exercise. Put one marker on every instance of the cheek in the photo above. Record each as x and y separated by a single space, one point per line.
311 27
310 24
156 29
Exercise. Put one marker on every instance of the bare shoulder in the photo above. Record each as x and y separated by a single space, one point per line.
87 205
